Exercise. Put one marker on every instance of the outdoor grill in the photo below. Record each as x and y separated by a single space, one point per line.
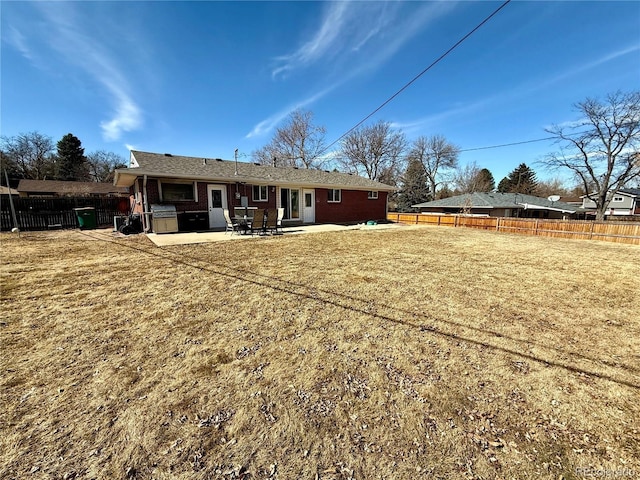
165 218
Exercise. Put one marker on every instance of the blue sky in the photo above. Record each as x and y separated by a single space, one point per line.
205 78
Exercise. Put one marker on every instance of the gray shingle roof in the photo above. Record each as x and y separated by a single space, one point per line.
176 166
630 191
69 188
497 200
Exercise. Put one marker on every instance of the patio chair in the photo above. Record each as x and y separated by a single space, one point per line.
257 224
231 225
279 220
271 223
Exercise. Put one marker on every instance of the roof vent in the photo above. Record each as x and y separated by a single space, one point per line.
168 155
218 159
256 163
295 168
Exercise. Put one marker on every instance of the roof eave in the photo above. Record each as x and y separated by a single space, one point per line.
126 177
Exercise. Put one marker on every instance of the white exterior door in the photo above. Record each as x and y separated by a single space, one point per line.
217 195
309 206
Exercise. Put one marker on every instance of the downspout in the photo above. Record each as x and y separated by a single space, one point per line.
145 205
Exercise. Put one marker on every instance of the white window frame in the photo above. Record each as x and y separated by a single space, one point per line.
618 199
331 196
260 191
372 194
178 182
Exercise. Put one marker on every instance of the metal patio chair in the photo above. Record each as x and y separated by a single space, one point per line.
257 224
279 220
231 226
271 223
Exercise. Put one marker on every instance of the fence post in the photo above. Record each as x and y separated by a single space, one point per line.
591 230
535 231
497 224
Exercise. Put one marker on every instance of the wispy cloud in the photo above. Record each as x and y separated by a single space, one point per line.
348 27
354 38
69 39
127 117
15 38
523 90
323 41
577 69
430 121
272 122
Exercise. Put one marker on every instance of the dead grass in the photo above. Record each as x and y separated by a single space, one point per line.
422 352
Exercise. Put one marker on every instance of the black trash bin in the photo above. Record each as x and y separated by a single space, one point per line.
86 218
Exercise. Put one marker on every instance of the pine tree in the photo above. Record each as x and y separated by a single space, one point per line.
72 164
521 180
414 186
486 183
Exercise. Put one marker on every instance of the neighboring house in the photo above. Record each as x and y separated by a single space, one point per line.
573 200
59 188
206 186
7 191
625 202
500 205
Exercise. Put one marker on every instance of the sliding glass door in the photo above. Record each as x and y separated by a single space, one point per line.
290 201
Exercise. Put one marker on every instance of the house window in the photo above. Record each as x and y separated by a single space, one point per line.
334 195
618 199
372 195
178 191
260 193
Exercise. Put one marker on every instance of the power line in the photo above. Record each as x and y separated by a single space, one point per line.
507 144
441 57
556 137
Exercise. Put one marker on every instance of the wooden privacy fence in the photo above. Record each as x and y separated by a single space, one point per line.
619 232
46 213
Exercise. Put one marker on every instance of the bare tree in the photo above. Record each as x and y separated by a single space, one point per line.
298 143
102 165
471 178
372 151
554 186
436 155
32 154
605 155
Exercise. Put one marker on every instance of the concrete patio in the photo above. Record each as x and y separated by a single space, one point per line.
167 239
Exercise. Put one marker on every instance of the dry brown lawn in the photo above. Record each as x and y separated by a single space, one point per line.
419 352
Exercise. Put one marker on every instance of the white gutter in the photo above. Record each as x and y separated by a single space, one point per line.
540 207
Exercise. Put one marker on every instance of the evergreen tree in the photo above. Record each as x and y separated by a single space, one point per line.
72 164
521 180
445 192
470 178
414 186
504 185
486 183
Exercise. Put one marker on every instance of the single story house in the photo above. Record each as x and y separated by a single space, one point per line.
624 203
203 188
59 188
500 205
